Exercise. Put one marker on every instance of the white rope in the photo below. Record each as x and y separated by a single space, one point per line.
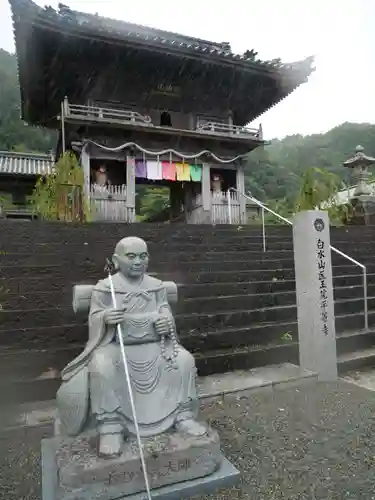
130 390
165 151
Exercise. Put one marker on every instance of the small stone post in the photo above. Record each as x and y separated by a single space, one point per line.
314 288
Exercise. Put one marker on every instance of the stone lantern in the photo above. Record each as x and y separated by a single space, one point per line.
362 200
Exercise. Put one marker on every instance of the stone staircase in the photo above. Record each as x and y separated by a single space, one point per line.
236 309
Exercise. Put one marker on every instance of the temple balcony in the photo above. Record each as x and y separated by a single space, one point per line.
120 118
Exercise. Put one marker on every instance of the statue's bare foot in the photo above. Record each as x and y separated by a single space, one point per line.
191 427
110 445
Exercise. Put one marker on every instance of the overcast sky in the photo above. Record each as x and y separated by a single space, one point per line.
340 33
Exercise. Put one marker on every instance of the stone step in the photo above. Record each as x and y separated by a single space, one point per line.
158 247
245 358
193 285
44 385
175 271
197 331
165 257
13 288
344 322
60 232
42 228
188 322
58 337
89 274
191 289
203 305
274 294
90 234
183 257
41 412
356 360
29 375
349 331
349 342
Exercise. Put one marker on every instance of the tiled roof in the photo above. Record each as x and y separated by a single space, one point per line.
25 163
94 24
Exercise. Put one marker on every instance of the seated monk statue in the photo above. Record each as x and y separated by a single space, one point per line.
162 372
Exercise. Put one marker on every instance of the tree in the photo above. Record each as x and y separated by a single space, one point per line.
318 190
58 196
15 134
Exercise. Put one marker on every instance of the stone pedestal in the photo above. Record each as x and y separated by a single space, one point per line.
73 471
362 210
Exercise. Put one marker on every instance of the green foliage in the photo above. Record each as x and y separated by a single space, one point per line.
58 196
286 337
6 201
317 186
16 135
318 190
151 201
273 173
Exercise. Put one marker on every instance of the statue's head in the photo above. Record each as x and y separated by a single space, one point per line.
131 257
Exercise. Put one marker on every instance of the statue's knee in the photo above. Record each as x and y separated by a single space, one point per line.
186 360
102 362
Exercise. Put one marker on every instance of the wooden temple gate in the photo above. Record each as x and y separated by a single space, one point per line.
108 203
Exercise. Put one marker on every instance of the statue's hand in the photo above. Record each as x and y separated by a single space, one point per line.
162 326
114 316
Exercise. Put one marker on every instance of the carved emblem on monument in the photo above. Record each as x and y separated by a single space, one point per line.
319 225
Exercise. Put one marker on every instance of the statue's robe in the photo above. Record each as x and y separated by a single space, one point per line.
95 384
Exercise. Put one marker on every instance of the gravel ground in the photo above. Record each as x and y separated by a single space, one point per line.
312 442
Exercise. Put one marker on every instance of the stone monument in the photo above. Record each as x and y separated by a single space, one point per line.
314 290
133 383
363 199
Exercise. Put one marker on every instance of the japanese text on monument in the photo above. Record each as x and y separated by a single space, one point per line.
322 278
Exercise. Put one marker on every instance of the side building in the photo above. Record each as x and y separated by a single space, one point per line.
18 175
141 106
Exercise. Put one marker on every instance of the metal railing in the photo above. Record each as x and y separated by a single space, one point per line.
290 223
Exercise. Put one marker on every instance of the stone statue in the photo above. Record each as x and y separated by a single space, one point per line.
162 372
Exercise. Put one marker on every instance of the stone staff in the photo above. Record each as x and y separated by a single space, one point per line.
108 269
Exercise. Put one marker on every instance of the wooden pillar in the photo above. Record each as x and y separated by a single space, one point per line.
130 187
192 121
206 192
85 162
175 200
241 189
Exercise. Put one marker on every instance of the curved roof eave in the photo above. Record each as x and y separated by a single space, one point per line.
77 23
301 81
26 12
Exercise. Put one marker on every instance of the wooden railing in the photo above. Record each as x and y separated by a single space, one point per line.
80 111
219 210
98 114
227 129
108 204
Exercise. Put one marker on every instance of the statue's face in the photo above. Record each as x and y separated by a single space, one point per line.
132 259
